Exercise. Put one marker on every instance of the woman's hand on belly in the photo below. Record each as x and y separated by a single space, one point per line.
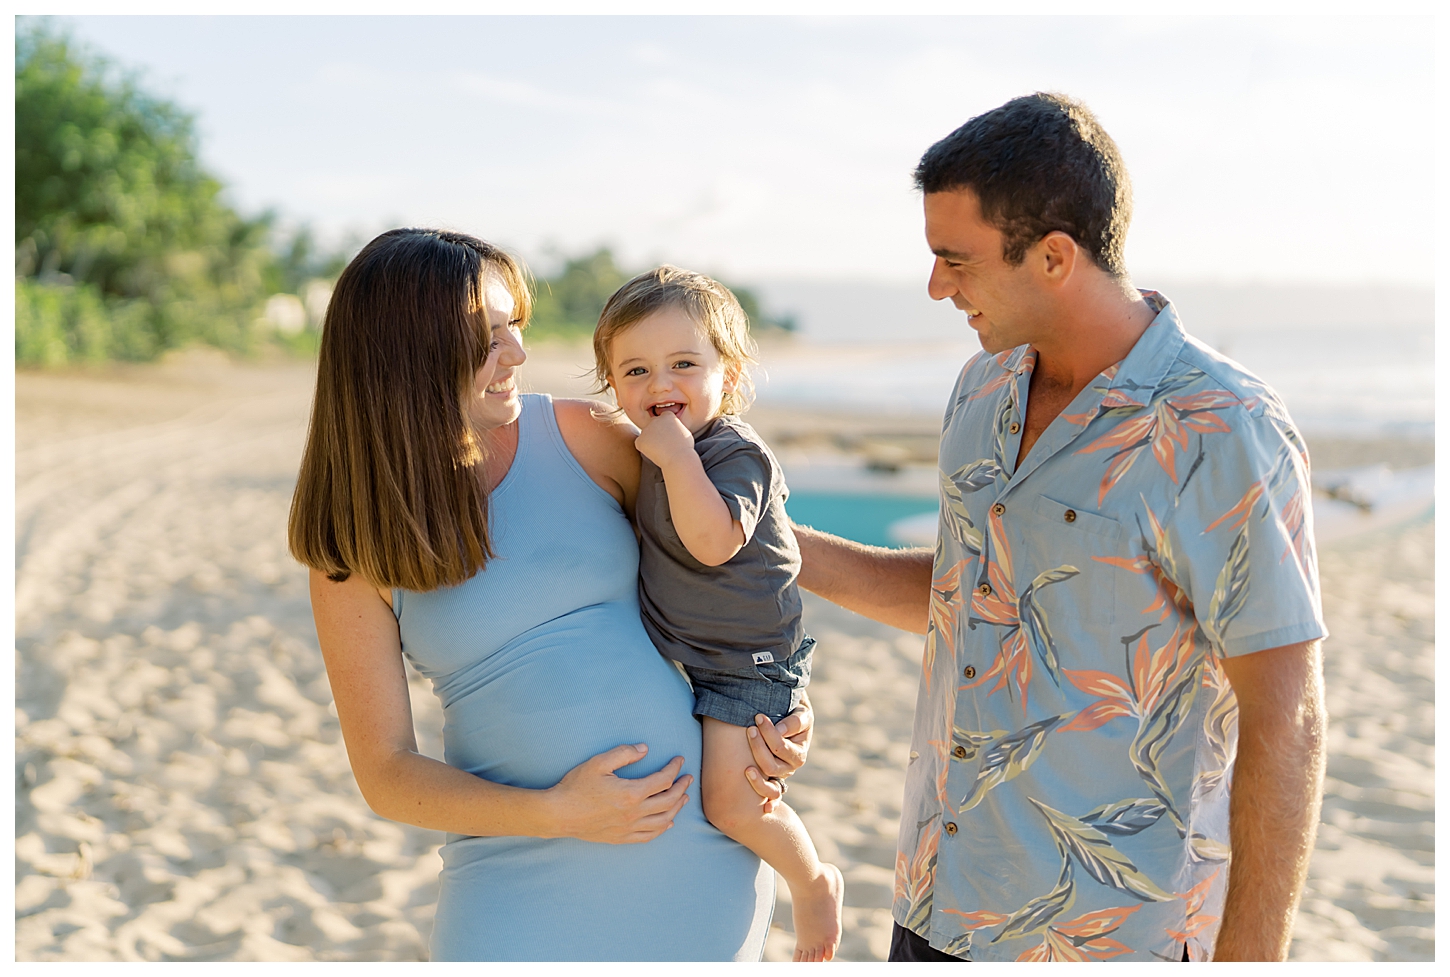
592 804
362 649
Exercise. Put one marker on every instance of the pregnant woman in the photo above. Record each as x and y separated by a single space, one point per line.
481 534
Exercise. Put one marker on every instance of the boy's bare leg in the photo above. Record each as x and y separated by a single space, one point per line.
816 887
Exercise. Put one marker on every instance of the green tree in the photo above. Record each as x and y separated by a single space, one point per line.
113 207
568 303
299 260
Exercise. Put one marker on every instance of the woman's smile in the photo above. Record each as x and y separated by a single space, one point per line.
495 390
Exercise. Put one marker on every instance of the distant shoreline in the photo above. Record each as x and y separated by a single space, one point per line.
557 368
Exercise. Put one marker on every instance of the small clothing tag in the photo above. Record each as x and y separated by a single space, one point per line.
762 658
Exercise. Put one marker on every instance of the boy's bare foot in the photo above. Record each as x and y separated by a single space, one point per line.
816 913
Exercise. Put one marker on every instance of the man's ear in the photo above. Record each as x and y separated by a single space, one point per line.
1056 255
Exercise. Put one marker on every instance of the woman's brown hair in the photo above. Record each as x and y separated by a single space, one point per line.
388 487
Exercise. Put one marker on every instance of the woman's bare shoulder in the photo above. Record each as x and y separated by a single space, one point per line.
595 418
352 589
602 440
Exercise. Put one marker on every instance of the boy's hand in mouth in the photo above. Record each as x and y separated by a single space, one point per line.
665 440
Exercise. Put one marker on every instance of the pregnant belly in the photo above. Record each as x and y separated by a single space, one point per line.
526 716
578 686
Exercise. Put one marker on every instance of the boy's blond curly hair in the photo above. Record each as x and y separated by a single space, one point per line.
709 304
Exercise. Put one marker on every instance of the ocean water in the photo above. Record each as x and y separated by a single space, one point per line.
1334 381
865 518
1384 499
1343 380
1346 360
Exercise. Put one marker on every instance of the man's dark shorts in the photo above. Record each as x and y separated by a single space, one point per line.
907 947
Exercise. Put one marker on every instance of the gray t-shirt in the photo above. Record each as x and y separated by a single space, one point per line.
734 614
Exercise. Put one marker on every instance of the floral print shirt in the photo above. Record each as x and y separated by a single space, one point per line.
1068 789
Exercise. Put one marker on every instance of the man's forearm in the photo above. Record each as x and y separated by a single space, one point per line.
886 585
1278 782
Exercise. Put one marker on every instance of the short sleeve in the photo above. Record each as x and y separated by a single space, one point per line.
1240 541
741 472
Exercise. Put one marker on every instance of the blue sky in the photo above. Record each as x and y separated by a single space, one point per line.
1261 148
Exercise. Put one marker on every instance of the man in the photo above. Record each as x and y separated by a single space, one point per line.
1122 613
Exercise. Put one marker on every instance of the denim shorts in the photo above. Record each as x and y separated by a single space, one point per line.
737 695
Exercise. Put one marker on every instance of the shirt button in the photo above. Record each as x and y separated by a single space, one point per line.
985 590
1069 516
970 671
951 827
998 509
959 752
1013 428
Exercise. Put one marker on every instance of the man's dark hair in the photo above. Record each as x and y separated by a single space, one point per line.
1037 164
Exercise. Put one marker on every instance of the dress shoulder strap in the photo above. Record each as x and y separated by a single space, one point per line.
539 426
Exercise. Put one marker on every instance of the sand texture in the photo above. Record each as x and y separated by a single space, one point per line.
182 791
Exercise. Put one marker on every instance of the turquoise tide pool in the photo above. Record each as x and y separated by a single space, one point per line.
864 518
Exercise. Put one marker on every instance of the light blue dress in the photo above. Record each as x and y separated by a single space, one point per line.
540 662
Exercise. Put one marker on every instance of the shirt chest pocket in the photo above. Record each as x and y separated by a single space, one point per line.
1067 580
1074 526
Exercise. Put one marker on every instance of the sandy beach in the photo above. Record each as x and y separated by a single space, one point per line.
182 790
